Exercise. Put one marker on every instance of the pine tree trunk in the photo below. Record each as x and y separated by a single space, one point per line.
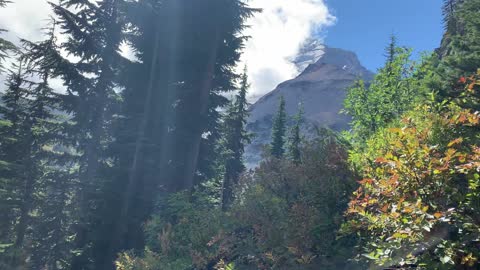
121 224
85 195
227 191
191 158
93 147
27 199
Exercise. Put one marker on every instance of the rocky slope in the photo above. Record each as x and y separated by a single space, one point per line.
321 87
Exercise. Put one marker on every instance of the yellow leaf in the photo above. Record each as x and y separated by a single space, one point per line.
269 256
399 235
395 130
395 215
456 141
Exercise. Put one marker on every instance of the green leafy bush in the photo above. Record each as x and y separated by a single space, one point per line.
418 202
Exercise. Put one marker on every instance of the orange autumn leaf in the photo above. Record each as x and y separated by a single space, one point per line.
438 215
381 160
462 118
394 179
365 181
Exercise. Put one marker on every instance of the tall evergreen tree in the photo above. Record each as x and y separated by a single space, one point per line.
235 139
28 137
51 247
448 11
13 150
279 130
451 23
391 50
295 139
94 34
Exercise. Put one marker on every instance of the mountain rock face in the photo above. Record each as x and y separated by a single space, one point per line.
321 87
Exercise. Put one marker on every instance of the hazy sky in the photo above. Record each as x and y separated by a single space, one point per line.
362 26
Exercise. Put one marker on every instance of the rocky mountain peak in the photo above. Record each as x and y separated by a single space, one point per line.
320 86
346 60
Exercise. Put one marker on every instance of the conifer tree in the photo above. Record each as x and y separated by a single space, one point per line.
279 130
295 139
13 150
28 136
391 50
451 23
94 33
22 149
51 248
235 139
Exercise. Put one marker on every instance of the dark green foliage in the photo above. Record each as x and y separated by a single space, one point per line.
279 130
295 139
235 137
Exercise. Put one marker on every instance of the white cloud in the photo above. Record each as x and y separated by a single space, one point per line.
25 18
276 36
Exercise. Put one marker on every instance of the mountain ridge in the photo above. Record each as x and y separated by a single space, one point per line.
321 88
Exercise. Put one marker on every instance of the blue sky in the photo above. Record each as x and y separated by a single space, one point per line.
364 26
